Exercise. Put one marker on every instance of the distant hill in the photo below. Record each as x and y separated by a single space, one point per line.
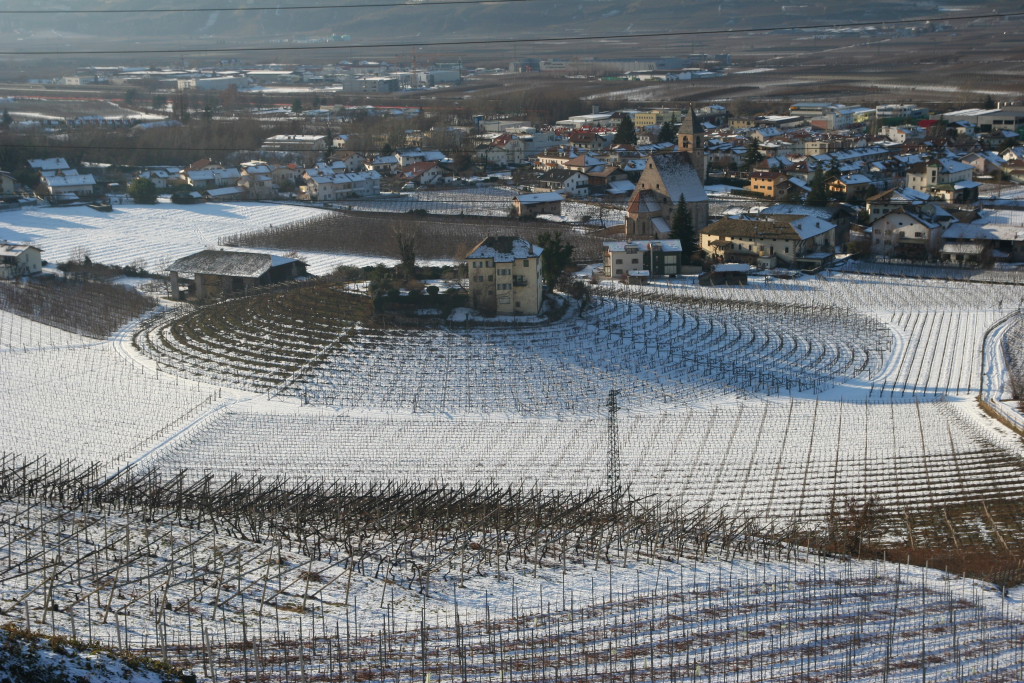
416 21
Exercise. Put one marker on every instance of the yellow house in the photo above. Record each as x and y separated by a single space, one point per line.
505 276
770 184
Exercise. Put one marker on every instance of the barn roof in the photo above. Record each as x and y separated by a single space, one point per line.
227 263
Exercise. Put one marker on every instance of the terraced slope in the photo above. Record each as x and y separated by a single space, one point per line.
319 343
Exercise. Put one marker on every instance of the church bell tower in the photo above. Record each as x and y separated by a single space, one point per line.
691 141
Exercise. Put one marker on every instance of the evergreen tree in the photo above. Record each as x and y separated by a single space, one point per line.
752 157
626 132
142 191
329 149
555 258
667 133
818 196
682 229
6 121
297 106
833 169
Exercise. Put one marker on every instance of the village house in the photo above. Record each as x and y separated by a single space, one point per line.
7 184
1014 153
589 140
215 272
984 162
502 149
643 258
416 155
770 184
505 276
385 164
160 177
422 173
606 178
925 176
890 200
792 241
529 205
69 185
306 147
323 184
257 181
210 177
993 236
348 161
853 187
568 181
910 232
19 260
60 182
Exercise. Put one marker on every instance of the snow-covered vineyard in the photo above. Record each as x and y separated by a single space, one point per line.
220 597
762 416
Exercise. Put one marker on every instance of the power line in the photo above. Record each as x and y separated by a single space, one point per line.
152 10
506 41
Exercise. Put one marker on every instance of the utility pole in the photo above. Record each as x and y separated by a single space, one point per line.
614 465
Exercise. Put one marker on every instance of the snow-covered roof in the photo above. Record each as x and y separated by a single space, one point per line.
74 180
295 138
620 187
54 164
504 249
982 230
225 191
215 174
954 166
344 178
679 176
796 210
540 198
7 249
780 227
661 226
228 263
970 248
733 268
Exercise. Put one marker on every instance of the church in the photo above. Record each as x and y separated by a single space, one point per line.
668 176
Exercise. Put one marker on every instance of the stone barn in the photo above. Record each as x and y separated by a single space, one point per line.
216 272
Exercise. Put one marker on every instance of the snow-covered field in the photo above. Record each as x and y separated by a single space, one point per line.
148 236
245 609
779 401
711 414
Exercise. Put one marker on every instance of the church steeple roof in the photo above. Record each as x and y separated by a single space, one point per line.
688 126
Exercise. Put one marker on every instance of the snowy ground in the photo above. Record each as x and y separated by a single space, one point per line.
225 607
515 407
526 405
148 236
